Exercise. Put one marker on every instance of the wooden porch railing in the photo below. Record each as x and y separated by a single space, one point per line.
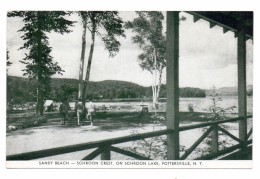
213 129
104 147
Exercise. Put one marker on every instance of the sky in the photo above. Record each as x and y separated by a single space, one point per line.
207 56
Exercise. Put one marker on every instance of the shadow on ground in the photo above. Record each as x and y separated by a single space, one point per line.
20 132
109 123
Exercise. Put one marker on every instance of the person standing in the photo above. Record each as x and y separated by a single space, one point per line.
91 111
80 109
64 111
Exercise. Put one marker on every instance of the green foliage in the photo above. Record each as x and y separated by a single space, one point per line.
8 63
25 90
191 108
192 92
20 90
63 93
14 123
214 108
38 61
36 24
216 112
153 148
149 36
109 27
115 90
148 31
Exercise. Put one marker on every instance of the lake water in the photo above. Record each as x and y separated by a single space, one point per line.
199 104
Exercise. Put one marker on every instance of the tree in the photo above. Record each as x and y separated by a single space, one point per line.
149 36
64 93
97 23
38 61
216 112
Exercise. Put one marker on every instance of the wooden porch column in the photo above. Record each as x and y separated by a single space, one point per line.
106 155
172 77
242 103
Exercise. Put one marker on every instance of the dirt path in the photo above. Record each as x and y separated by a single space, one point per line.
55 135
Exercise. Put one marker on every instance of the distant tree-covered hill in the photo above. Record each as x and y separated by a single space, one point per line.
21 90
232 91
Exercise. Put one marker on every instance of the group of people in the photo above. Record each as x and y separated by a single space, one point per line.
80 110
90 109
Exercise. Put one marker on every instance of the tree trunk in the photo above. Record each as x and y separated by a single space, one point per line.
153 91
155 99
93 32
39 108
82 58
159 84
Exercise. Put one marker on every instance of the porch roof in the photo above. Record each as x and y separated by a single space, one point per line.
229 20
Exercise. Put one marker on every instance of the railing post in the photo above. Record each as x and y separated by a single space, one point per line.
242 103
172 69
214 139
106 155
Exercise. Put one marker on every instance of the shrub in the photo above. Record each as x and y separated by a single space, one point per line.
191 108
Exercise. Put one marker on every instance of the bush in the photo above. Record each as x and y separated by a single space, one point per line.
191 108
26 122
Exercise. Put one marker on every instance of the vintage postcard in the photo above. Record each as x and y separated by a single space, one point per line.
173 89
145 87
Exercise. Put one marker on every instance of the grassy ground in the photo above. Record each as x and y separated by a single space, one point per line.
27 119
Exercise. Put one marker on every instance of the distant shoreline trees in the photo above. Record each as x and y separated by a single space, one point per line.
21 90
192 92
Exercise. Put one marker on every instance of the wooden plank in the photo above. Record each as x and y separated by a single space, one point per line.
84 146
128 153
191 149
196 18
214 138
249 133
229 134
221 152
225 30
212 24
237 155
94 154
172 77
235 34
195 126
